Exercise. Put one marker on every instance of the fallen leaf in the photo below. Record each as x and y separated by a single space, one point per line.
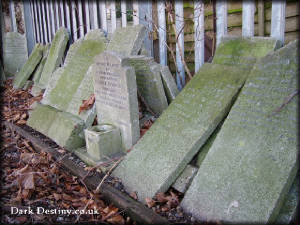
87 104
117 219
28 181
173 200
161 197
134 195
57 196
150 202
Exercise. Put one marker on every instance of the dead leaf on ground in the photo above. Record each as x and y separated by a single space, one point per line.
134 195
117 219
150 202
87 104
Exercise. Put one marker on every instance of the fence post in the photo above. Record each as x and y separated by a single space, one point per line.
145 18
34 21
135 13
199 34
248 18
13 16
28 26
80 20
261 18
44 22
123 13
113 17
221 13
179 22
48 21
162 32
68 19
103 16
42 34
52 17
278 20
56 15
87 15
62 13
1 32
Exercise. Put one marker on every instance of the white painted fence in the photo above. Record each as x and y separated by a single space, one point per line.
44 17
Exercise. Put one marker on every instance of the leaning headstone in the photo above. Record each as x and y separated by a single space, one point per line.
55 55
149 82
127 40
253 160
116 95
39 69
27 84
184 180
170 86
28 68
15 52
163 152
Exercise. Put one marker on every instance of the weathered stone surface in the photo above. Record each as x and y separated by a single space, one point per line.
28 68
36 90
180 131
97 35
103 141
170 86
39 69
149 82
27 84
2 75
290 206
116 95
243 51
55 55
184 180
15 52
127 40
253 160
65 84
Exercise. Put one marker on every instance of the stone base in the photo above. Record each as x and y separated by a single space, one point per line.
104 164
35 90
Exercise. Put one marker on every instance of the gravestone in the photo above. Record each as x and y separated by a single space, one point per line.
39 69
170 86
56 53
23 75
127 40
253 160
15 52
163 152
2 75
116 95
149 82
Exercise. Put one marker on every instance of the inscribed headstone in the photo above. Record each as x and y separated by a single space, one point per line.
28 68
253 160
56 52
15 52
162 153
116 95
127 40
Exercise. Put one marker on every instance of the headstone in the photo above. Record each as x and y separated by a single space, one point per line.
14 52
96 34
253 160
170 86
56 53
127 40
116 95
163 152
184 180
23 75
39 69
149 82
27 84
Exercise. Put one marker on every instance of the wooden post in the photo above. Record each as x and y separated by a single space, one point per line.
35 22
74 22
80 20
52 17
62 13
113 16
123 13
1 34
56 15
135 14
145 18
261 18
199 34
103 15
68 17
44 22
94 15
248 18
278 20
221 11
28 20
42 33
87 16
162 32
48 20
179 22
13 16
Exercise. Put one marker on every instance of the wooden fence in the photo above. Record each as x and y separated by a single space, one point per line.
43 17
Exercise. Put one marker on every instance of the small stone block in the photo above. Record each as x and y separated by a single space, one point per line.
184 180
170 86
103 140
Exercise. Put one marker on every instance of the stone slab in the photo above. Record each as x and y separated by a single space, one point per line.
15 52
116 95
149 82
38 71
170 86
184 180
56 53
243 51
2 74
253 160
27 84
127 40
23 75
163 152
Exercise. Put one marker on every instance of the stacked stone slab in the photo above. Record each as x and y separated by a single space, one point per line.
169 84
253 161
15 52
58 116
187 123
23 75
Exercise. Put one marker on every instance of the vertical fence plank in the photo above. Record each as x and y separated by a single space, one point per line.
80 20
62 13
145 18
68 17
162 34
87 15
248 18
103 15
95 15
42 33
1 35
44 22
278 20
74 22
179 22
28 20
48 20
261 18
13 16
124 13
35 21
221 13
52 17
113 16
199 34
56 15
135 13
